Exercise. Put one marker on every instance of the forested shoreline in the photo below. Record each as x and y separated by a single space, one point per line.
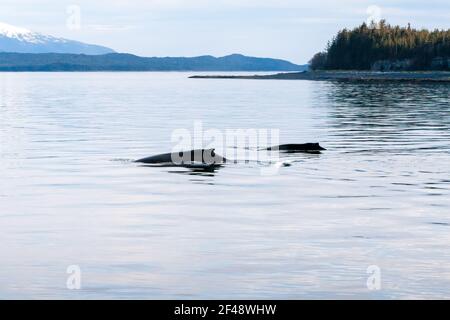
383 47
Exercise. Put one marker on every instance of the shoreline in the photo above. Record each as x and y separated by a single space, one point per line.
345 76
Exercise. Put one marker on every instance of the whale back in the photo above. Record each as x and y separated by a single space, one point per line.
199 156
305 147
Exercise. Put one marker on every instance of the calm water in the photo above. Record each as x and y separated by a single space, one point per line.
69 195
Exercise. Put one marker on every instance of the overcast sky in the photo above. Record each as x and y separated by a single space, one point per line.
287 29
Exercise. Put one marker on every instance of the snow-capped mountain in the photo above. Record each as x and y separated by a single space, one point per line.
15 39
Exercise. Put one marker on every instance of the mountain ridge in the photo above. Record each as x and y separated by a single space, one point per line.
10 61
25 50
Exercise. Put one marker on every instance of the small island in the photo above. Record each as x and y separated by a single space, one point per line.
376 52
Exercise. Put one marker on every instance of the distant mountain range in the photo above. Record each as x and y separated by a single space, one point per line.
14 39
24 50
128 62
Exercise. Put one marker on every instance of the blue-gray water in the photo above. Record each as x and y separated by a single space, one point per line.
68 196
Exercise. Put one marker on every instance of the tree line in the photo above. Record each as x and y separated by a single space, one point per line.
385 47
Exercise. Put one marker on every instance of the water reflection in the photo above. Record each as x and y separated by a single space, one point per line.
380 194
399 118
206 171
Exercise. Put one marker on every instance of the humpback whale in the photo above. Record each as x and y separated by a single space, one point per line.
305 147
194 158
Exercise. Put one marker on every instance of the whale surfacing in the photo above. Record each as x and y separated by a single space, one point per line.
207 158
305 147
192 158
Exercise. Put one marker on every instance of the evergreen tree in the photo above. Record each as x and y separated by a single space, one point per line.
362 47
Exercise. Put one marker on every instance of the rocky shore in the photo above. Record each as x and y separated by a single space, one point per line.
351 76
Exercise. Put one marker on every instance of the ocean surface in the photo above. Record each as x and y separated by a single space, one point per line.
368 218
